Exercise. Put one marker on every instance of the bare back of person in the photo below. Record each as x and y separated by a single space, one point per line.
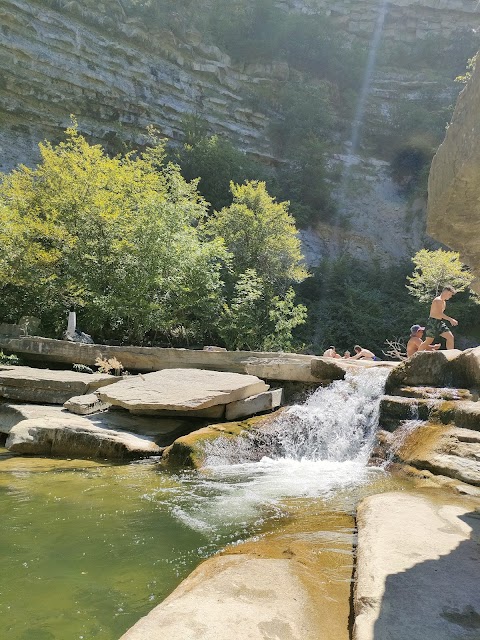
436 325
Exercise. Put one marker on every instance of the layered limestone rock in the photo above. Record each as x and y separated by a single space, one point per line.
418 561
109 434
48 386
71 435
182 391
453 215
431 368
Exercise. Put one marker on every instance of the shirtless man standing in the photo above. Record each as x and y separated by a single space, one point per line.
435 324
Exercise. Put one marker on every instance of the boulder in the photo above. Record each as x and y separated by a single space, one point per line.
181 390
418 562
425 368
232 598
191 450
48 386
73 436
85 405
467 368
443 450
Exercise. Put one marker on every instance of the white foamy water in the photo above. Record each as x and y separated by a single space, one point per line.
313 450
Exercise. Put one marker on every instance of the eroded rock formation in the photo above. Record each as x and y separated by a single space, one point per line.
454 185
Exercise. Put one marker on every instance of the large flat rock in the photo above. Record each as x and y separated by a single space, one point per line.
232 598
183 390
293 367
74 436
28 384
418 563
162 431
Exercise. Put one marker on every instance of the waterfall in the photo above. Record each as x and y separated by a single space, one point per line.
337 423
318 450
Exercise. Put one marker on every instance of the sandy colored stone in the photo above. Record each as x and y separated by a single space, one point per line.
85 405
418 563
181 390
467 367
254 404
29 384
453 215
443 450
426 368
71 435
228 598
162 430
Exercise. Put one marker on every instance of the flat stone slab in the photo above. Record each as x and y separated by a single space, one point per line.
181 390
231 598
28 384
418 563
426 368
162 431
74 436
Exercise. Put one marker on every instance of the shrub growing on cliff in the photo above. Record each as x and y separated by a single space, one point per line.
434 270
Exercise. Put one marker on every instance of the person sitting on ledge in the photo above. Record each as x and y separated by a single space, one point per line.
331 353
416 341
363 354
347 355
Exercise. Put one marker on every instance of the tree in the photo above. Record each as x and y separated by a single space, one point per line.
259 234
117 236
434 270
261 239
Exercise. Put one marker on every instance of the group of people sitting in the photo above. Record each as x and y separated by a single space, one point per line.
360 354
434 328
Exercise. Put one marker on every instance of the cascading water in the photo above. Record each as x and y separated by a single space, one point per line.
313 450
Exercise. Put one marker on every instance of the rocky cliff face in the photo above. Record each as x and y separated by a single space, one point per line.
117 80
454 183
52 65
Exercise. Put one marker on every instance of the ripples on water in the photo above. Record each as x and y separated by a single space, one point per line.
88 549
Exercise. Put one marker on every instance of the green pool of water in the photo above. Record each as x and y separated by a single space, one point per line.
87 549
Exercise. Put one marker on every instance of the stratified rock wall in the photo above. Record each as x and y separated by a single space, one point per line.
406 20
53 65
454 183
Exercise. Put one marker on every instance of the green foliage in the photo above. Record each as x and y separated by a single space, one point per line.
253 320
11 360
259 234
469 70
435 270
117 236
217 162
351 302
